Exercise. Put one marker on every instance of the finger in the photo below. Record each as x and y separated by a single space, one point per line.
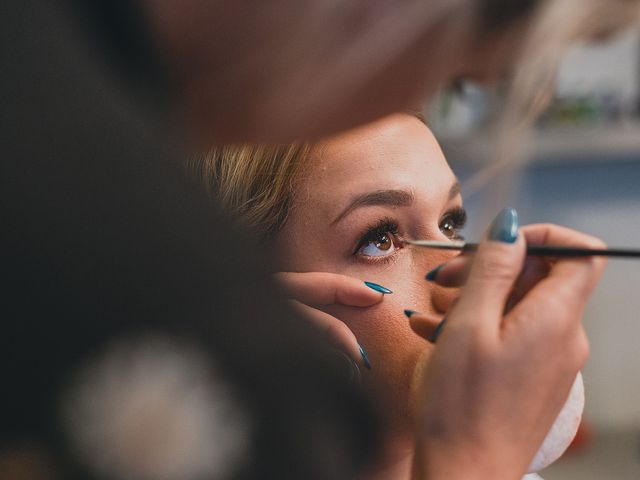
494 270
454 273
558 301
577 275
535 269
320 288
424 325
551 234
336 332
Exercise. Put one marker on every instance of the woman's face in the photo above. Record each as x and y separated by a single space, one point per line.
359 195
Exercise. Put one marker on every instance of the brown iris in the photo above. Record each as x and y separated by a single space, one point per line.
449 229
383 242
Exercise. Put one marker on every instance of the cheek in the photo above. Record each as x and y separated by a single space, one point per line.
300 250
382 328
394 350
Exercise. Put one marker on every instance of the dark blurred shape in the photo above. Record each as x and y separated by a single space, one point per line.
25 462
499 13
105 236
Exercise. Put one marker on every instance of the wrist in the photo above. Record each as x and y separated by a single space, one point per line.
441 462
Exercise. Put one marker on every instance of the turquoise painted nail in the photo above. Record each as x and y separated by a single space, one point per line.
431 276
504 227
377 288
436 334
365 357
408 313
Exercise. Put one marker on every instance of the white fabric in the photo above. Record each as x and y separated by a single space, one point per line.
563 430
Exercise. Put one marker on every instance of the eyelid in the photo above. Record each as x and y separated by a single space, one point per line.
458 218
373 231
459 214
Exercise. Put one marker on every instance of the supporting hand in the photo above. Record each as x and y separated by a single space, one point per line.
311 290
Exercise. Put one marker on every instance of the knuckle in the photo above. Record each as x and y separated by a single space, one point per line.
594 242
556 315
566 329
597 263
482 353
575 348
582 349
494 265
329 282
568 299
481 350
584 276
326 289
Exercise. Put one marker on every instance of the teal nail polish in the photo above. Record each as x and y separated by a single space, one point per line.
408 313
438 331
504 227
377 288
431 276
365 357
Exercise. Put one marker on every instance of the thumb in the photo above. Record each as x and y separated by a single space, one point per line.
494 271
318 289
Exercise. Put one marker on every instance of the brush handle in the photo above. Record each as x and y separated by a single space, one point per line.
557 251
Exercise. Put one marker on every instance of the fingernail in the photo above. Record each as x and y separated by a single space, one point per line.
504 227
408 313
348 368
431 276
365 357
377 288
436 333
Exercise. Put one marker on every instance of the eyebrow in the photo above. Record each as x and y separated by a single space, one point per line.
455 190
392 198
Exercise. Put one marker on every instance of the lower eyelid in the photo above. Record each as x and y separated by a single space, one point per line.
377 260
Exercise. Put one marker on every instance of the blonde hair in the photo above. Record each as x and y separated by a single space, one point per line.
256 183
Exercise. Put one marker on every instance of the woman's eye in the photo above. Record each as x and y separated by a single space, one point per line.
381 246
452 223
449 229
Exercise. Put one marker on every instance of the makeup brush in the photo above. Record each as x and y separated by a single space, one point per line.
533 250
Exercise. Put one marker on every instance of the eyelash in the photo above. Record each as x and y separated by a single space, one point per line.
374 232
456 216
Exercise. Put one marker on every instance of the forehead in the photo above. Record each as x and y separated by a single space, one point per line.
395 152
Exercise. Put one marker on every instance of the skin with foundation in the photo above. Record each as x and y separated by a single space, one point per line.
358 195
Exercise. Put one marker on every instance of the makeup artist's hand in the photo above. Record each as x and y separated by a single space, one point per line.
510 352
311 290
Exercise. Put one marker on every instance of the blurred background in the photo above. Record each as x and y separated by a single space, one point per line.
583 171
